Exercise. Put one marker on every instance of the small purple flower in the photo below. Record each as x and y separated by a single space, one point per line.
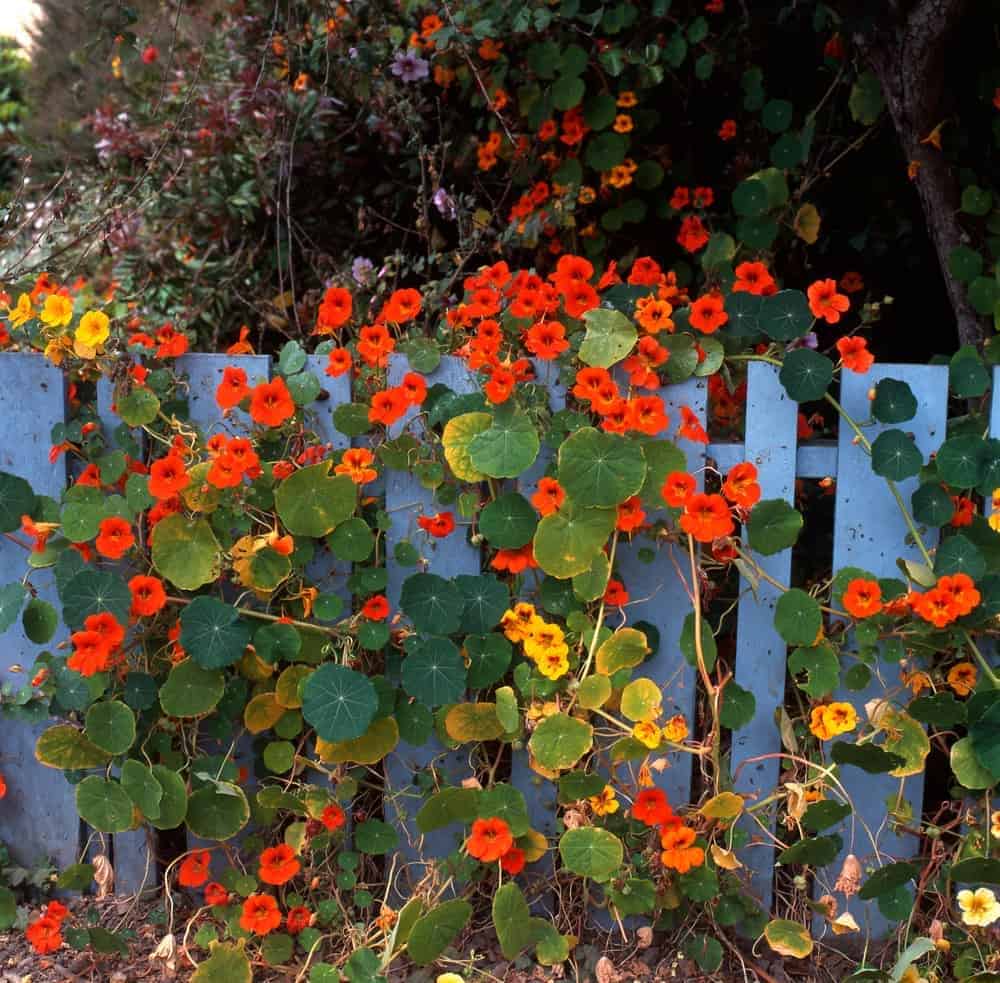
362 269
409 68
445 204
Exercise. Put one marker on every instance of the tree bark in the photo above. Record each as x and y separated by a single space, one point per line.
906 52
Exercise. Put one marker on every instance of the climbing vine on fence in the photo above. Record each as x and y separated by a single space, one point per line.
201 583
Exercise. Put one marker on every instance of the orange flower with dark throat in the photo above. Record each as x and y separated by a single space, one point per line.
260 914
357 465
549 496
167 476
402 306
278 864
677 489
233 389
44 934
741 487
708 313
489 840
114 538
333 816
825 302
387 407
691 428
546 339
194 869
855 355
679 852
863 598
271 403
440 525
706 517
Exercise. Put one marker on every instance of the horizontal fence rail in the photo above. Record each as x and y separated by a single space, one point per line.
38 818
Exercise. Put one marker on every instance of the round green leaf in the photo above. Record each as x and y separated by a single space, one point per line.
16 499
777 115
40 621
213 633
806 375
559 741
489 658
600 469
191 691
339 703
798 617
434 672
958 554
173 805
567 541
138 407
65 747
111 726
895 456
104 804
591 852
750 198
785 316
965 264
375 837
773 526
276 642
311 502
432 603
142 788
932 505
93 592
960 461
486 599
217 811
610 336
508 447
186 552
508 522
458 434
352 541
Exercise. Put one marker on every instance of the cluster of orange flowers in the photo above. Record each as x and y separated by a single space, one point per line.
707 518
491 840
45 933
677 841
952 597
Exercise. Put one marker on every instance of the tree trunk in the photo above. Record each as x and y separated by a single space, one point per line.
907 55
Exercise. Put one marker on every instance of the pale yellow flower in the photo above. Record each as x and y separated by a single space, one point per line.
979 907
450 978
93 329
604 804
22 312
58 311
995 824
646 732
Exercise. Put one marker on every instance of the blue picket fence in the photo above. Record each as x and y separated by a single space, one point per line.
38 818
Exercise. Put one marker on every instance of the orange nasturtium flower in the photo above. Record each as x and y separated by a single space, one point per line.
825 302
167 477
233 389
404 305
863 598
148 595
44 934
333 816
339 361
357 464
708 313
376 608
741 487
652 808
549 496
114 538
753 278
691 428
278 864
216 894
962 678
677 489
512 862
298 918
387 406
854 354
706 517
260 914
831 719
271 403
489 840
194 869
679 852
439 525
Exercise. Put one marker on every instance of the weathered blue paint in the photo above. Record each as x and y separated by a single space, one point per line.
38 817
870 533
771 419
406 500
816 459
659 595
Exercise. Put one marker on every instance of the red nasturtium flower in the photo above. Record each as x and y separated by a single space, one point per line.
630 514
648 415
414 388
376 608
44 934
402 306
278 864
863 598
114 538
825 302
233 389
693 234
271 403
512 862
652 808
333 816
387 407
753 278
855 355
546 339
298 918
106 625
440 525
334 311
708 313
91 654
691 428
167 476
3 783
615 595
338 362
678 488
514 560
195 868
215 894
549 496
260 914
962 590
741 487
706 517
489 840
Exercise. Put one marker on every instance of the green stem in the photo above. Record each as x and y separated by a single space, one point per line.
599 624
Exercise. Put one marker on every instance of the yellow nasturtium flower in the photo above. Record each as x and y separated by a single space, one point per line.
22 312
646 732
93 329
832 719
58 311
552 665
517 621
676 728
450 978
979 907
545 640
604 804
994 519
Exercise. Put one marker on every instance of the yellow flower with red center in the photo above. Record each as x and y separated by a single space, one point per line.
517 622
545 640
676 728
606 803
962 678
646 732
831 719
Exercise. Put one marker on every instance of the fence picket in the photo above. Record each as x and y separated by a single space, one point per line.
406 499
38 815
870 533
771 425
659 596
